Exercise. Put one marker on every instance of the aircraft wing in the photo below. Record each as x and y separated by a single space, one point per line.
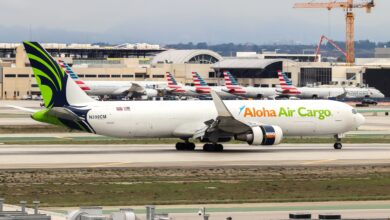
225 125
343 95
135 87
121 91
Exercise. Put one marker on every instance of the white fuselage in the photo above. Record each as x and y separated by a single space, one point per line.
221 90
192 91
259 92
110 88
116 88
334 92
182 119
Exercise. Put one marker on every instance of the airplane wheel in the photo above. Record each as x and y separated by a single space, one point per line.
338 146
219 147
213 147
206 147
190 146
185 146
180 146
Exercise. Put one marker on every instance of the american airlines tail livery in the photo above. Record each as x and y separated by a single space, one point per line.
203 88
260 122
114 88
174 88
233 87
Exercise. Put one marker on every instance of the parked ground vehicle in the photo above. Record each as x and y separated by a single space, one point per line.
369 102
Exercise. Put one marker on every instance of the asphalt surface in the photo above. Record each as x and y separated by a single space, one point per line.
98 156
257 211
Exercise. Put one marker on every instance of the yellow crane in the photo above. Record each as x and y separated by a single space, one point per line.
348 6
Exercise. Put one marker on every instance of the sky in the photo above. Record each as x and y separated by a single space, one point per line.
182 21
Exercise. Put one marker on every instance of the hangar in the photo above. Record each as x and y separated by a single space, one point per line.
251 71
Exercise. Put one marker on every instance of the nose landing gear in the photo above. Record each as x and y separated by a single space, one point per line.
338 145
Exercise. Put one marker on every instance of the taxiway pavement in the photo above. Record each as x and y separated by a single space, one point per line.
108 156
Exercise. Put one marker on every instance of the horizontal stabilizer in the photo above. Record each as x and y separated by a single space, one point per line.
23 109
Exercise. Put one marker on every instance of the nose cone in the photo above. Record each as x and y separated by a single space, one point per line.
360 120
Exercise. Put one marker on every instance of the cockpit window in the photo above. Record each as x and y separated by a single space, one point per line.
354 111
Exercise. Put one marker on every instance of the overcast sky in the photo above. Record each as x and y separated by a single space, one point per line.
175 21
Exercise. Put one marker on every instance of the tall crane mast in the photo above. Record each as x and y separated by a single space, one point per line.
348 6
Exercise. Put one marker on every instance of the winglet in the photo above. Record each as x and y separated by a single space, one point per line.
222 110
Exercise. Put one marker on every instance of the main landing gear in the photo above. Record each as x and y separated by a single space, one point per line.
337 145
185 146
213 147
188 146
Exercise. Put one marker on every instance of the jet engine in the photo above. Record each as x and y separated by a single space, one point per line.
262 135
151 93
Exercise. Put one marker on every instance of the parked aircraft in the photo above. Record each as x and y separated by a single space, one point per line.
202 88
289 90
259 122
174 88
234 88
115 88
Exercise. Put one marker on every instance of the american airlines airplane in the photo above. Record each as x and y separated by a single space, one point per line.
115 88
202 88
289 90
234 88
260 122
174 88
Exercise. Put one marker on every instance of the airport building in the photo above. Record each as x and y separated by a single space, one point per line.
150 62
382 52
311 57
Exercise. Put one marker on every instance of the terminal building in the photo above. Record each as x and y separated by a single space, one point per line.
150 62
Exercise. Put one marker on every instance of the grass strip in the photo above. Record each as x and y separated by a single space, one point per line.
140 186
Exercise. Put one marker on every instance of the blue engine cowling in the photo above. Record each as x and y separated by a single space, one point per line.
262 135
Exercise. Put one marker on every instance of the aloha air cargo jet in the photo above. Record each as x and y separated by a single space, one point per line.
288 89
234 88
259 122
114 88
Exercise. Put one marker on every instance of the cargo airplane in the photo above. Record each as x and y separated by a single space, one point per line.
114 88
256 122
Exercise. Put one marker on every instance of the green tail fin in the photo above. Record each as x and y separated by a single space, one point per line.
56 87
50 77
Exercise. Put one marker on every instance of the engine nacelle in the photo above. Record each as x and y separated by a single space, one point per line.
151 93
263 135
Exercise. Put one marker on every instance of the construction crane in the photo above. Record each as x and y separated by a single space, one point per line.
318 51
348 6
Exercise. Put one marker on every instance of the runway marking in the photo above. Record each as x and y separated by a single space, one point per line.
66 138
108 164
318 161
